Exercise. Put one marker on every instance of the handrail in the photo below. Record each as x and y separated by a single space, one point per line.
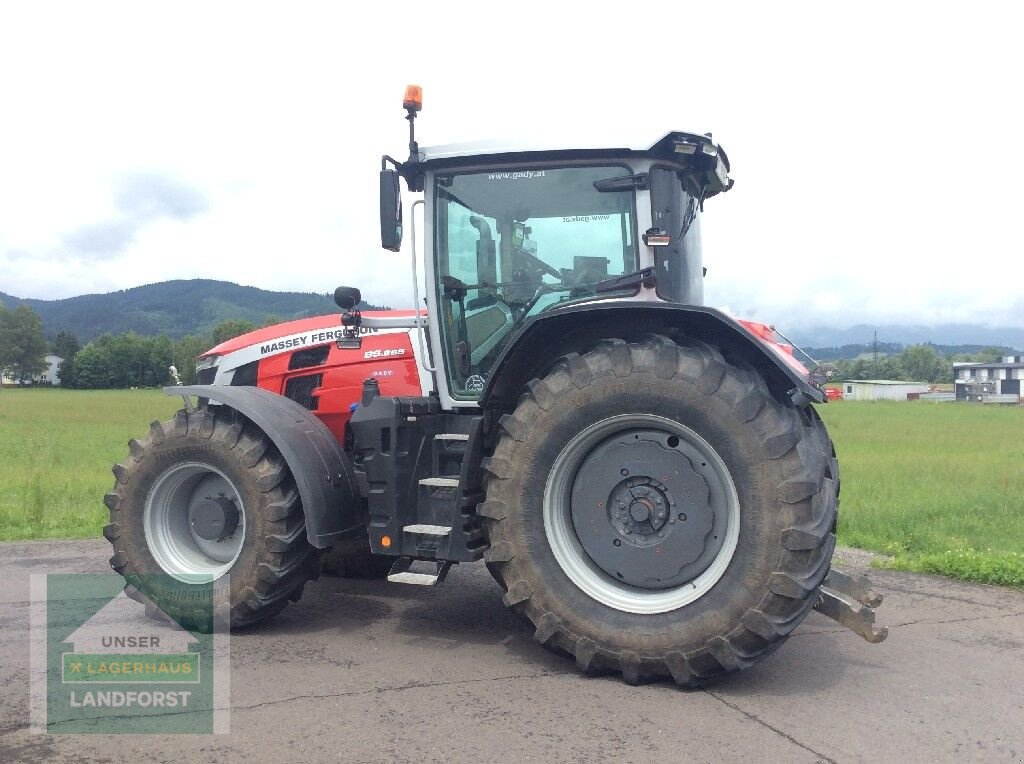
420 323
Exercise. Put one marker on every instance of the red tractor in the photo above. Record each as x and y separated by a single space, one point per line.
645 477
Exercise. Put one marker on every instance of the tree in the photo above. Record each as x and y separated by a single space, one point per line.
891 367
5 339
66 345
67 373
23 345
990 355
185 352
921 363
230 329
944 372
92 367
127 360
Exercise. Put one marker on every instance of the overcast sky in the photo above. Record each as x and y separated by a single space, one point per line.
877 148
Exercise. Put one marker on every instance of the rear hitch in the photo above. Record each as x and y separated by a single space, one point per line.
850 601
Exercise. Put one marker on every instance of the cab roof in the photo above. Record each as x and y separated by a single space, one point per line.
663 147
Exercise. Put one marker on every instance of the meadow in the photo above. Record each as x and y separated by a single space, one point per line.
56 451
937 486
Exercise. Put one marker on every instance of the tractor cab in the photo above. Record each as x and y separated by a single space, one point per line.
513 233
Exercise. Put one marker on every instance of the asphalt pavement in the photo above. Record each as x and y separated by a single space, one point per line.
370 671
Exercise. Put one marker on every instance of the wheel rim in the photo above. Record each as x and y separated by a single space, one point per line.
641 513
194 522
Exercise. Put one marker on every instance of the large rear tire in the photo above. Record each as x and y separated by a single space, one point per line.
595 461
208 494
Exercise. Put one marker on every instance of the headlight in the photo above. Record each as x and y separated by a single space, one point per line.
206 370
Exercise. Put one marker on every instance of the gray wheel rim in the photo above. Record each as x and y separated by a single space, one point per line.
582 569
170 535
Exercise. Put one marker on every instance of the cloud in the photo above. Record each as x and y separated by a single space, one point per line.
105 239
148 196
141 199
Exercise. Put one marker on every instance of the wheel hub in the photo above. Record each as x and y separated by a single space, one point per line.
639 509
214 518
642 509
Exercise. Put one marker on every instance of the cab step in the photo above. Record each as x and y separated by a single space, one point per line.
452 436
440 482
427 572
428 530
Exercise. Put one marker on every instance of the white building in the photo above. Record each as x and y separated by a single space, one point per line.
881 389
48 376
1005 376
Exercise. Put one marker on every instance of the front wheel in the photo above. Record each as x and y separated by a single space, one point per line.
654 510
202 496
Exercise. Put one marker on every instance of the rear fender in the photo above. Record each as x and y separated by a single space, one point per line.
543 340
322 470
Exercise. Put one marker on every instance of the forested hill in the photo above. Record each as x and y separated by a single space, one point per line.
173 308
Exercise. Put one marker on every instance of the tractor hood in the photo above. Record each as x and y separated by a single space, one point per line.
300 327
318 334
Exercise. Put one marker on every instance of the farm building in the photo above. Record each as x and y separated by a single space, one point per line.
989 379
881 389
48 376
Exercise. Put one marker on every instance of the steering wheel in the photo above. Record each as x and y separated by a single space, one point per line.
538 266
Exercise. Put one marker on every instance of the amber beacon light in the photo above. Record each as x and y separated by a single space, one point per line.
413 98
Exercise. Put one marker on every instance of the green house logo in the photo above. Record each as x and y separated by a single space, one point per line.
101 665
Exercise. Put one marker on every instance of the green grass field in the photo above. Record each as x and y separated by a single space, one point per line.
56 450
940 487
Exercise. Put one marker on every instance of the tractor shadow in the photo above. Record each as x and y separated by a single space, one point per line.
467 611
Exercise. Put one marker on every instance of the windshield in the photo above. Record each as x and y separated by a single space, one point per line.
511 244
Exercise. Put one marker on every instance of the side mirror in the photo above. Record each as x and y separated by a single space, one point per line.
347 297
390 211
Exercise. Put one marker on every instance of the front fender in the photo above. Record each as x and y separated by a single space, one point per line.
321 469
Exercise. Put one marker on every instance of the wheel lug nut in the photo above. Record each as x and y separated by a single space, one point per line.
682 515
623 472
617 542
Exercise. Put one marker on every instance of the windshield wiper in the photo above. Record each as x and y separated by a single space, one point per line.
455 289
643 277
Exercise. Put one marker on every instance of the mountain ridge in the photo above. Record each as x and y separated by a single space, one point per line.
191 306
175 308
909 334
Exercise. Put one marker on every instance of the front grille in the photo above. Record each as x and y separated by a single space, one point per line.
206 376
245 375
300 390
303 359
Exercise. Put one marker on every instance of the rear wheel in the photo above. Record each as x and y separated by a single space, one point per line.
202 496
654 510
